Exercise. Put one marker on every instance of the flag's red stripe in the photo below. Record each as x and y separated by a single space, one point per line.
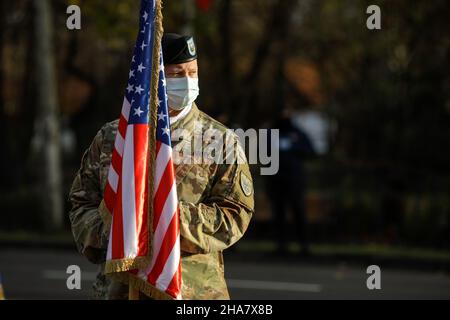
140 185
123 123
109 197
158 147
174 287
162 192
117 251
116 162
166 248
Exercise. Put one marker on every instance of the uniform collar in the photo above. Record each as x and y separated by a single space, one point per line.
187 122
181 115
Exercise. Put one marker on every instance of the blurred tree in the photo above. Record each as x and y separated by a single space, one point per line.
2 86
47 135
387 90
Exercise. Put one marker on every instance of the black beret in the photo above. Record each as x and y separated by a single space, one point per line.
178 49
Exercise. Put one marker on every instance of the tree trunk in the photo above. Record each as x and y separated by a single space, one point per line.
3 165
226 49
47 122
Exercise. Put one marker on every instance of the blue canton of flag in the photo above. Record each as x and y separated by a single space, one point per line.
163 127
138 89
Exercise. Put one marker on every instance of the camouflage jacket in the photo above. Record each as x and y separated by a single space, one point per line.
216 205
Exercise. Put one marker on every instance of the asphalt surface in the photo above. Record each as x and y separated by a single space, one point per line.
41 274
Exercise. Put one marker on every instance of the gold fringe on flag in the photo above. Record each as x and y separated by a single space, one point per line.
121 265
140 285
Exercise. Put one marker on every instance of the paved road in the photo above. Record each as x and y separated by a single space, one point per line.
40 274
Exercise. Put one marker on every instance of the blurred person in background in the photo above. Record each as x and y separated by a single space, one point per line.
286 189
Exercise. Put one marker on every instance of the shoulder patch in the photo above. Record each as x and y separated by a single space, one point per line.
246 184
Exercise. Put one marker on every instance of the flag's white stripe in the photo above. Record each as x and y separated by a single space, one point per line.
126 107
169 210
128 197
119 144
113 179
163 157
170 268
167 214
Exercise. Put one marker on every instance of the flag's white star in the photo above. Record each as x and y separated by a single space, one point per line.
143 46
163 82
131 73
130 88
138 112
161 116
138 89
159 102
145 16
143 30
132 101
141 67
133 59
166 131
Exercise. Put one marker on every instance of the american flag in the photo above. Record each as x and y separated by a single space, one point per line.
135 232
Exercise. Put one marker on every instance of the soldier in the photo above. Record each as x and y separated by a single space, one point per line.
216 199
286 189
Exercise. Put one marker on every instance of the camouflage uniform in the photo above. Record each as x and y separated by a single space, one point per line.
216 205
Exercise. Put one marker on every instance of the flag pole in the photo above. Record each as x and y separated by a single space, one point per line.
133 291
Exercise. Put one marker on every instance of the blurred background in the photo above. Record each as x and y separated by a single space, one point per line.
371 106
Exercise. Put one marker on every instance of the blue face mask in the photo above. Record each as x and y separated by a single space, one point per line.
182 92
